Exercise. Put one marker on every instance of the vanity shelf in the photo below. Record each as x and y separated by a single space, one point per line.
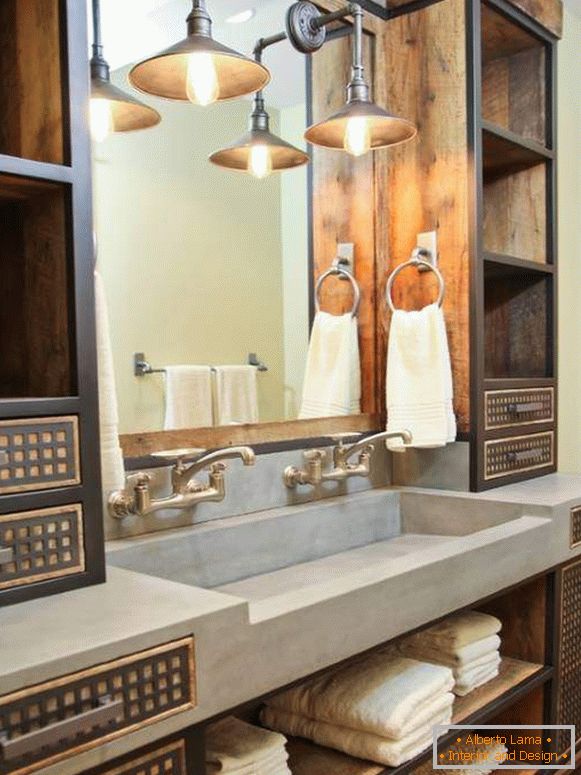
504 152
510 266
516 680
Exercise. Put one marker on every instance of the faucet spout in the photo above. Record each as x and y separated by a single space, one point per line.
344 453
182 474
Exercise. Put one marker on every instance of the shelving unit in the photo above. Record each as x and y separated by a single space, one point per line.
50 490
516 680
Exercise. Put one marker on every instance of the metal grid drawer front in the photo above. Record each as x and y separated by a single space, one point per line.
41 545
141 688
511 408
569 702
575 527
169 760
518 454
39 454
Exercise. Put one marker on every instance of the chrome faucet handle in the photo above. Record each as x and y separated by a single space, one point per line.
313 474
314 455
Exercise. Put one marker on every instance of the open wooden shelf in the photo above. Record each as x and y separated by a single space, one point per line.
504 152
513 77
501 265
516 679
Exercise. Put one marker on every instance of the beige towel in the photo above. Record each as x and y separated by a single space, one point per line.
332 385
188 397
464 687
441 656
236 395
234 747
112 466
380 694
459 630
419 379
363 745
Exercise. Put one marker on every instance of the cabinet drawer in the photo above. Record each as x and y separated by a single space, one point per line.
167 759
569 677
518 454
38 454
41 545
49 722
512 408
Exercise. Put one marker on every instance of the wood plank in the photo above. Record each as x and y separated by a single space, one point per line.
505 153
306 758
427 179
343 211
548 13
135 445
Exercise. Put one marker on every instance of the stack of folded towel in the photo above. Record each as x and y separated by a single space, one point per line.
382 708
234 747
468 643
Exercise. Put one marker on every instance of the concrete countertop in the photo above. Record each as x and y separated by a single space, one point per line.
239 656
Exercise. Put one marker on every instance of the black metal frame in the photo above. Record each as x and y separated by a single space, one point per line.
76 175
478 381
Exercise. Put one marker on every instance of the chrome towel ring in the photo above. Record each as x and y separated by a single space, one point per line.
420 263
337 270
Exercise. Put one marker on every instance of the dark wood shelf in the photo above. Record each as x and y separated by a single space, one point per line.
504 152
500 264
516 679
514 383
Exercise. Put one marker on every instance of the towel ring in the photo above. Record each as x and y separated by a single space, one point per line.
339 271
419 263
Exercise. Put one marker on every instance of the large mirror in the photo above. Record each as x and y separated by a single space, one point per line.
204 266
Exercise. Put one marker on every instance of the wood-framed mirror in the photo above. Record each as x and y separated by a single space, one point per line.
205 266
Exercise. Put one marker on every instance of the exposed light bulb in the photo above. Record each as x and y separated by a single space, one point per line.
357 136
202 79
101 120
259 161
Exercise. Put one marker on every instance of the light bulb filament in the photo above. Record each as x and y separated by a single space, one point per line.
259 161
202 85
357 136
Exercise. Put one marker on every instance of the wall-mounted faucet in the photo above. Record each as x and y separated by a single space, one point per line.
313 473
186 491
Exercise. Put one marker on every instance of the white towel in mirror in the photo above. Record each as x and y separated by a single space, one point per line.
188 397
332 385
112 467
419 392
236 395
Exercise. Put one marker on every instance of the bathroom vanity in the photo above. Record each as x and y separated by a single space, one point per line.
220 593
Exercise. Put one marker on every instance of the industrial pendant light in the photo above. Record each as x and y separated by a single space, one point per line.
361 125
199 68
259 152
112 110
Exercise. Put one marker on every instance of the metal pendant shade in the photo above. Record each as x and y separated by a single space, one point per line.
165 74
384 129
126 112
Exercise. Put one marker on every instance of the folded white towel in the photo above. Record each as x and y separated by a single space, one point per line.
459 630
363 745
188 397
380 694
419 392
483 676
467 673
234 747
332 385
458 658
112 466
236 395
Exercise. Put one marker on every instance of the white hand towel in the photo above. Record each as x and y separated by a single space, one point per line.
188 397
234 747
419 392
332 385
469 672
363 745
441 656
236 395
380 694
478 678
112 467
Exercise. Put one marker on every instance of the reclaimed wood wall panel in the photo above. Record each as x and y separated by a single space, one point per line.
549 13
344 206
427 179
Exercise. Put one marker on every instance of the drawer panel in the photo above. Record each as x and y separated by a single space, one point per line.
569 677
166 760
575 534
518 454
39 454
49 722
512 408
41 545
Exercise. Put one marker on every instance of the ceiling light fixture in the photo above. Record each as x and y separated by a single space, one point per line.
361 125
199 68
259 152
242 17
112 109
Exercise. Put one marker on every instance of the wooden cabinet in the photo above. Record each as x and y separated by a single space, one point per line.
51 535
477 76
